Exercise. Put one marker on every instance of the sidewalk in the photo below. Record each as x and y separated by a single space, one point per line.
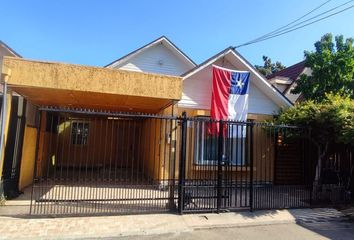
116 226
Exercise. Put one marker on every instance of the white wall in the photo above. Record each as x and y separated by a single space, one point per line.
197 93
150 61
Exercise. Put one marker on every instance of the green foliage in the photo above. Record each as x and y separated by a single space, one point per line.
332 66
269 67
331 120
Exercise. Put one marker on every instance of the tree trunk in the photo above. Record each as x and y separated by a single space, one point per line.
321 153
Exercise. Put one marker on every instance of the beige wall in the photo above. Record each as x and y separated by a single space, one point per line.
28 157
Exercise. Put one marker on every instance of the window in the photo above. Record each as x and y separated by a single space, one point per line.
206 145
79 134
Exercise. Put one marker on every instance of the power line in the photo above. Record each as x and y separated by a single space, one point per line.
296 20
291 29
323 13
285 30
300 26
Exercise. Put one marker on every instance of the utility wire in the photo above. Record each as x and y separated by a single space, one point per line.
284 30
290 29
289 24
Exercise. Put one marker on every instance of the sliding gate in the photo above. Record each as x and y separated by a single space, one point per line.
91 162
99 162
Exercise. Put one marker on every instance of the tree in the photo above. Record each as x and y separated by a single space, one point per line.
332 66
268 67
331 121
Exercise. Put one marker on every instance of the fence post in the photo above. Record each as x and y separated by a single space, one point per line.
251 166
182 163
220 162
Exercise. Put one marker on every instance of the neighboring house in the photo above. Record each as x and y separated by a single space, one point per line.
12 154
285 80
79 134
5 50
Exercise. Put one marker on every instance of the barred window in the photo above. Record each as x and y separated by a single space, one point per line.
206 144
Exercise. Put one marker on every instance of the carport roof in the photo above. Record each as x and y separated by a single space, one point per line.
68 85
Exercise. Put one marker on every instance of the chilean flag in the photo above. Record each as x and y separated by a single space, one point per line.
229 99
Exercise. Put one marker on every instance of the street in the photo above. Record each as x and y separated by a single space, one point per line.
291 231
315 223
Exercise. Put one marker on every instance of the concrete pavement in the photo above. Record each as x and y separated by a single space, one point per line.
288 231
112 227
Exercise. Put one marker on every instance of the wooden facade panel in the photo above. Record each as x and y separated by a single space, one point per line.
28 157
66 98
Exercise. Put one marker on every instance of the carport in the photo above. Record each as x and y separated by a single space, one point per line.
92 139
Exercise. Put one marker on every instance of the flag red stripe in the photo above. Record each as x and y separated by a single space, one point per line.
220 94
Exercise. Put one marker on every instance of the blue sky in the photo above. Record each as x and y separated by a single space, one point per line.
96 32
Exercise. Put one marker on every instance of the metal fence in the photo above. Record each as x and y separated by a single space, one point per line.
91 162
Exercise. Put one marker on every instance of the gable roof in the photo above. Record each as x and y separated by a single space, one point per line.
161 39
276 95
293 72
4 45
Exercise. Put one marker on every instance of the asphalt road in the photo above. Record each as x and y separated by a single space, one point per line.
317 230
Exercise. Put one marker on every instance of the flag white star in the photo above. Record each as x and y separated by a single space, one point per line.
239 83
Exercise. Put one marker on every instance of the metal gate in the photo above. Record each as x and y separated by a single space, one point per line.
230 165
216 158
101 162
91 162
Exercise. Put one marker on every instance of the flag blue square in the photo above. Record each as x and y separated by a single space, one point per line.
239 82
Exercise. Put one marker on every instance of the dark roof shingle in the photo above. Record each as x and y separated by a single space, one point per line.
292 72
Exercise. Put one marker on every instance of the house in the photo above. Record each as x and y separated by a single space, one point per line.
117 132
285 80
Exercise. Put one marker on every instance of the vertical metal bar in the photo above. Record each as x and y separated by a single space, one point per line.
116 152
2 137
242 152
251 165
104 174
80 189
238 172
93 193
49 189
220 158
42 168
110 182
170 160
99 181
182 162
86 180
39 116
55 154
